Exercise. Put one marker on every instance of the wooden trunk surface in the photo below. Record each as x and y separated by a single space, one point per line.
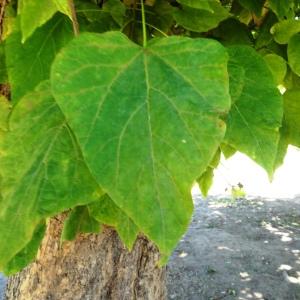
92 267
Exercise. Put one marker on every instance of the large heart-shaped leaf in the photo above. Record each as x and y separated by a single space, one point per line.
256 114
147 120
42 171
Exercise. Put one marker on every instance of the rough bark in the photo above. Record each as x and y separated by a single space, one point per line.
3 3
92 267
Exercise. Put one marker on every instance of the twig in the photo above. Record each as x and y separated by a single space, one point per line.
74 17
2 10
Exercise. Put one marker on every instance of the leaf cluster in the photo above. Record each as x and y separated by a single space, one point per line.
115 133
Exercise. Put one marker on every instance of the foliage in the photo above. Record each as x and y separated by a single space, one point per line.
114 125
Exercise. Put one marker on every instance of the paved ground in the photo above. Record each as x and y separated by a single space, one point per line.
244 249
2 285
248 249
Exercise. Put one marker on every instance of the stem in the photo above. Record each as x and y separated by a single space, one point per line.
74 17
144 24
155 28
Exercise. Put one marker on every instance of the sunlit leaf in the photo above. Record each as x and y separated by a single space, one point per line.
227 150
284 30
34 14
147 115
256 113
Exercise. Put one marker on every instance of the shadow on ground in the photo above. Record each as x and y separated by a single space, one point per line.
243 249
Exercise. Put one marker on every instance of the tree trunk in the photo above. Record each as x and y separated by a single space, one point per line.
92 267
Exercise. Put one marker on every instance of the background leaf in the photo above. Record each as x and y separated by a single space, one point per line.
292 116
79 221
282 8
34 14
201 20
3 71
203 4
255 117
277 66
108 213
5 108
205 181
284 30
28 253
294 53
28 64
42 171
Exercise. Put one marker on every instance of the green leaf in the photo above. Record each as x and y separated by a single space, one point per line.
294 53
63 7
284 30
265 38
289 132
5 108
203 4
291 81
200 20
253 5
160 16
148 113
42 171
34 14
282 147
232 32
107 212
227 150
28 64
256 113
79 221
205 181
277 66
27 254
282 8
292 116
117 10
